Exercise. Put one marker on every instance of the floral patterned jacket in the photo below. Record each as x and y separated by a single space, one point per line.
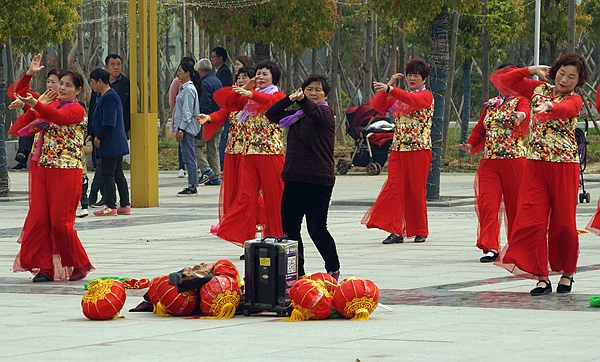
551 135
63 136
413 112
497 132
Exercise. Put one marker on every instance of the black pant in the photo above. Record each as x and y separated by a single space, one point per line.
300 199
96 183
25 144
112 172
84 187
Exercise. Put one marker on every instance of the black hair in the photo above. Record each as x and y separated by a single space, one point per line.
249 71
100 74
220 52
57 72
418 66
194 77
272 67
190 60
574 59
75 77
112 56
318 78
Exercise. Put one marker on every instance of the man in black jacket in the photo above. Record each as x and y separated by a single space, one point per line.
120 83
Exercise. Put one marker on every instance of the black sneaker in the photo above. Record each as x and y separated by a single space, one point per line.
419 239
99 204
489 257
188 191
19 167
393 239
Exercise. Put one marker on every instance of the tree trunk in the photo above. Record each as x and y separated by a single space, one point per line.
289 69
375 66
9 117
201 46
336 87
465 113
4 182
367 81
113 27
401 53
448 100
485 54
188 33
571 27
262 52
438 57
314 61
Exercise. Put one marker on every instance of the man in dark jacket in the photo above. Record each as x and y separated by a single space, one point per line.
218 57
308 171
209 162
110 142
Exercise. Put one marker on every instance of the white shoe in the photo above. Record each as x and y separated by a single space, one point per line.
181 173
83 213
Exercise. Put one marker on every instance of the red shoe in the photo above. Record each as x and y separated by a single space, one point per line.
107 211
124 210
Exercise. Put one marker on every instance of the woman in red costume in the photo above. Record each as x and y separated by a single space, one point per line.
401 207
260 168
233 150
500 132
545 231
594 224
50 247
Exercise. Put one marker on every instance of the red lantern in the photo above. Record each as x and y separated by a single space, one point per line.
329 281
220 297
310 300
171 302
356 299
153 289
226 267
103 299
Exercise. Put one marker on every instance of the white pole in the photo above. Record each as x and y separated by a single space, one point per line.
536 41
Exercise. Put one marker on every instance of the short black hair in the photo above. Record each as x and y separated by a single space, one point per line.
220 52
249 71
272 67
112 56
100 74
318 78
418 66
190 60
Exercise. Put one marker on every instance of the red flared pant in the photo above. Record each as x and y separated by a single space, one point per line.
401 207
544 233
496 180
258 174
48 240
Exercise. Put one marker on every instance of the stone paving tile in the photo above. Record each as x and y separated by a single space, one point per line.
446 305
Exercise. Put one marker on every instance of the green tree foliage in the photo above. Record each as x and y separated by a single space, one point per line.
33 24
290 25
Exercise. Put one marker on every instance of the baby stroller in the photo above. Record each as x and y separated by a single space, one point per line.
580 137
372 132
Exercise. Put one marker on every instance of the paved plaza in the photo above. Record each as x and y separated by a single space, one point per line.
447 306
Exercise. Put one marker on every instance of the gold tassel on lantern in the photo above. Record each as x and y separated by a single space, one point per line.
361 314
161 311
226 311
299 314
